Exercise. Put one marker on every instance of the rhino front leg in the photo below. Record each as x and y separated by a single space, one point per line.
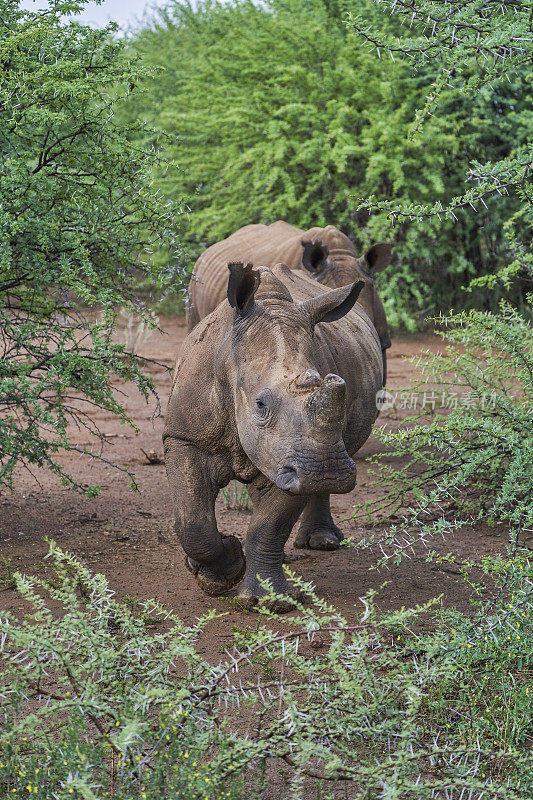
195 478
274 515
317 530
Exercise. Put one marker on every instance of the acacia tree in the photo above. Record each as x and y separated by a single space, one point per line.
476 48
77 218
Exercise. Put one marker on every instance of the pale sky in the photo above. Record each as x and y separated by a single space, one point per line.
125 12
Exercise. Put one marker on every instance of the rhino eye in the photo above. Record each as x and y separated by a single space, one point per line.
263 402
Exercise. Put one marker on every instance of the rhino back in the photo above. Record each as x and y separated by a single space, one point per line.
262 245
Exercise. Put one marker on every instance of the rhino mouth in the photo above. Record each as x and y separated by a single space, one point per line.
288 480
309 474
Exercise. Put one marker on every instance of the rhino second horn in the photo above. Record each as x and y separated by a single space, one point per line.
309 378
334 388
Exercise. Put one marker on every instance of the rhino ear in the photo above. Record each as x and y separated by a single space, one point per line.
333 304
377 257
314 256
242 286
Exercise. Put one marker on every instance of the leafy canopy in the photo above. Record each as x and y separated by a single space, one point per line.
77 215
477 49
295 119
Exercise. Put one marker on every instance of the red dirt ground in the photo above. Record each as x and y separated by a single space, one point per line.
129 536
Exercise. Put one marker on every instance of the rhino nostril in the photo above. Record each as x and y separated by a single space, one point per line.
288 479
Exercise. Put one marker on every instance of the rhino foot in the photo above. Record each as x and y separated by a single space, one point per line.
320 537
217 579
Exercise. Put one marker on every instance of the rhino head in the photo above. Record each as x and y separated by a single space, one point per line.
330 257
290 420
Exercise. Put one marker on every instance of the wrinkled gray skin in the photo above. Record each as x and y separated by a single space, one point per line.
326 254
257 396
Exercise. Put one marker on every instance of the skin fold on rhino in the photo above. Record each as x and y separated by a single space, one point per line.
326 254
275 388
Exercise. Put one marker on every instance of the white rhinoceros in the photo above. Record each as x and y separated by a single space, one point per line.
248 403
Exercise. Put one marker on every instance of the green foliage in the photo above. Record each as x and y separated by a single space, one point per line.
294 119
482 54
7 578
237 496
472 46
77 215
95 703
473 463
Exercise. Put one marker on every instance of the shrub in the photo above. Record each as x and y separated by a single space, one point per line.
236 496
480 65
76 217
474 462
295 119
98 701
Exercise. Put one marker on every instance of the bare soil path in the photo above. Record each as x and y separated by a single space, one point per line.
129 536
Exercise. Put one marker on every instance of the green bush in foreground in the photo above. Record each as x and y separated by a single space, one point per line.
77 216
100 702
474 462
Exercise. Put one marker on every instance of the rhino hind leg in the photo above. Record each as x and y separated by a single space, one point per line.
217 562
274 515
317 530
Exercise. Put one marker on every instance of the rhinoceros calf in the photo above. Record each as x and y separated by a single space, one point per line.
258 397
325 253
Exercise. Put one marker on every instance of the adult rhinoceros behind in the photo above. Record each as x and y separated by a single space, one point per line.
248 402
326 254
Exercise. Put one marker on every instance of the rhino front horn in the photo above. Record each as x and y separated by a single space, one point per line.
328 403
